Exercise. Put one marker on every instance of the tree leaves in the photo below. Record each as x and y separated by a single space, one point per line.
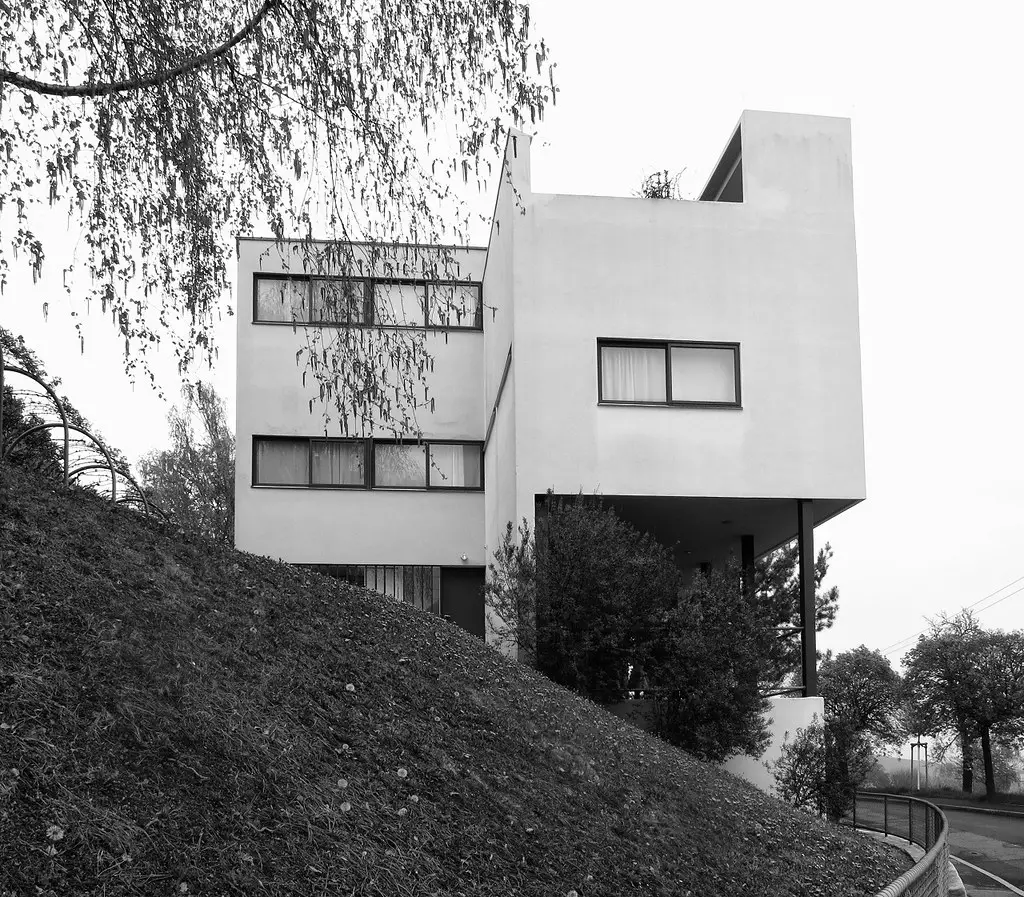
304 125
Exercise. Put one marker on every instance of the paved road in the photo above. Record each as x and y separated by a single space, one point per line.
995 843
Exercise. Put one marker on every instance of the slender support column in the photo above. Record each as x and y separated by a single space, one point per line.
1 404
805 544
747 564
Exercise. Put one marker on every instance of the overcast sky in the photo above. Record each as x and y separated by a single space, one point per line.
934 92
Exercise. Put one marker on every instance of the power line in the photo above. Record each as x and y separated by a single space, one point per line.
905 643
994 603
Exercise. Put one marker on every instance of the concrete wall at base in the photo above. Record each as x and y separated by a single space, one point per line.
787 715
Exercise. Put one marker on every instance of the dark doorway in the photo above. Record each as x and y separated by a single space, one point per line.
462 597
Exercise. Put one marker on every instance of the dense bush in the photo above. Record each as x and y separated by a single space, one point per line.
822 767
708 654
601 608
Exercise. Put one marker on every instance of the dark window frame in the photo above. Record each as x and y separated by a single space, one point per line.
369 464
309 484
667 346
427 443
369 308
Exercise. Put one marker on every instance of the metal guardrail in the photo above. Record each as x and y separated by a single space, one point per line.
916 821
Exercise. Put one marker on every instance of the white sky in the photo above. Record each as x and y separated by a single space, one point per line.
934 93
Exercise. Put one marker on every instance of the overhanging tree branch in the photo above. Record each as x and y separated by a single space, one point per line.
153 79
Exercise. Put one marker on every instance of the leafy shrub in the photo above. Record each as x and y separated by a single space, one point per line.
708 655
599 607
822 767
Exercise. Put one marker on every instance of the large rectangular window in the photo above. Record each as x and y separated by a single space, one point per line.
281 462
345 463
704 374
350 301
455 305
401 304
337 463
417 585
647 372
633 374
338 301
400 466
281 299
455 466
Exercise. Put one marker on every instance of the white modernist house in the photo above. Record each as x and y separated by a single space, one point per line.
695 362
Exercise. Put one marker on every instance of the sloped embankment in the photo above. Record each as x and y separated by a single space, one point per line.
178 718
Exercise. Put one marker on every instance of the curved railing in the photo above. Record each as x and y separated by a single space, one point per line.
91 442
913 820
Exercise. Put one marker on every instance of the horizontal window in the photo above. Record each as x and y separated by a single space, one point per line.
282 461
417 585
668 373
400 466
428 465
456 465
343 463
337 463
279 298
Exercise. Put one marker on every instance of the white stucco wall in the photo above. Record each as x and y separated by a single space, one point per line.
787 715
341 526
776 273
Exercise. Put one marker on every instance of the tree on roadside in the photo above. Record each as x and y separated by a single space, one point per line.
821 768
825 763
164 129
864 694
193 481
964 679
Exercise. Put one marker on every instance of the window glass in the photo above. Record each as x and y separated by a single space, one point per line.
455 305
399 303
339 301
703 374
282 462
455 466
632 374
400 465
338 463
282 299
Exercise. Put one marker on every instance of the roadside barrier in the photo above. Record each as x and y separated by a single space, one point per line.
916 821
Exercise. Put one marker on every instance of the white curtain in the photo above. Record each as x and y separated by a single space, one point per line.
455 466
338 464
632 374
282 462
703 374
279 299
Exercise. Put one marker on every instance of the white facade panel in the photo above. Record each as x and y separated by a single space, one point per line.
775 273
349 526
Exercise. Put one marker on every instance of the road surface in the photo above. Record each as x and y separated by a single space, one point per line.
993 843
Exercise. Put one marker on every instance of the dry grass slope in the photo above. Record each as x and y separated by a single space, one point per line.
177 718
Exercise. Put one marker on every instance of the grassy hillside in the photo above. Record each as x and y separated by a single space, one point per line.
177 718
